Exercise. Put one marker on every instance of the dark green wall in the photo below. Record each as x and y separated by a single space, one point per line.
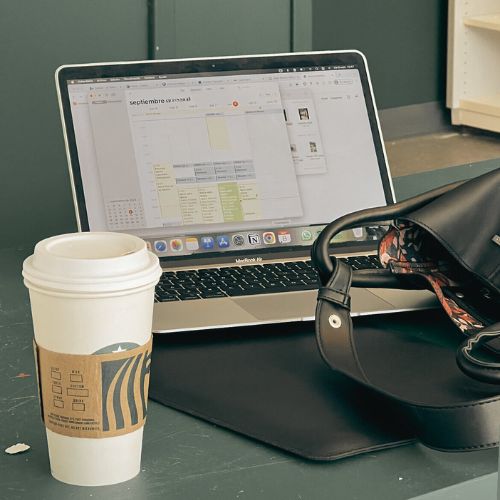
403 40
199 28
36 36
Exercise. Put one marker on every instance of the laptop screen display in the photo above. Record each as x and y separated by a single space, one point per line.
225 160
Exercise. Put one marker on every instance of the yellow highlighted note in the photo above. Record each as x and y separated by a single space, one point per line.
217 132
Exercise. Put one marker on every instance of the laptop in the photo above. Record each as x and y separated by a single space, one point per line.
229 168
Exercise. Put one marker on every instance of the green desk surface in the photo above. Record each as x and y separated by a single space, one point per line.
186 458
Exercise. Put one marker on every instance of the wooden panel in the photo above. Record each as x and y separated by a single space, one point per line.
489 22
488 104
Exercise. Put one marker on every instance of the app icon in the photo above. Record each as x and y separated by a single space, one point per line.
160 245
358 232
254 238
284 236
207 242
176 245
306 235
238 240
269 238
222 241
192 243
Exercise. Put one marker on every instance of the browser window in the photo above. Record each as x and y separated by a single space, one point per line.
237 156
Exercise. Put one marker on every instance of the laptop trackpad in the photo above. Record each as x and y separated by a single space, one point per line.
281 306
198 315
302 305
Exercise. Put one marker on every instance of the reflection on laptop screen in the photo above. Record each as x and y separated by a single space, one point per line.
206 162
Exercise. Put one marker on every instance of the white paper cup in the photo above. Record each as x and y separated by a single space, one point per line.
90 291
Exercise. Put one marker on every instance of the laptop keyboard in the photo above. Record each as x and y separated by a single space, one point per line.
247 280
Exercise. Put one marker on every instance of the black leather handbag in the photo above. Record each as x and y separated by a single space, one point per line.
448 241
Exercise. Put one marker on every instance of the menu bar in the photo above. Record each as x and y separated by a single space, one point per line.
212 74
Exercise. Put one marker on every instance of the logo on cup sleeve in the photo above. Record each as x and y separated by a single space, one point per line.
129 376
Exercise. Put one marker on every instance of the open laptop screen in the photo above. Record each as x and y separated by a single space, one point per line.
224 157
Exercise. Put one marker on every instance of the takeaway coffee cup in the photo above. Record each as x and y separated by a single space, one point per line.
92 303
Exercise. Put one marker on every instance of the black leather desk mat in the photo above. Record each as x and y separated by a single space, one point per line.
270 383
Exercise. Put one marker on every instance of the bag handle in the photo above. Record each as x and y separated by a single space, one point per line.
333 310
320 251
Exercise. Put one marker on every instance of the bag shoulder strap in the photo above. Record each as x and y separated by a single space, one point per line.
334 324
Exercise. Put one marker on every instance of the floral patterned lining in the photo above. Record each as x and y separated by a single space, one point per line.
402 250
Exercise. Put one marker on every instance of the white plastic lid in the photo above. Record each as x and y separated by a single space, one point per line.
91 262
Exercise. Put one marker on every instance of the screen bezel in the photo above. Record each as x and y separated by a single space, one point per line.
218 65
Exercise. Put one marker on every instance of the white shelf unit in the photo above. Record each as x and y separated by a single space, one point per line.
473 80
488 22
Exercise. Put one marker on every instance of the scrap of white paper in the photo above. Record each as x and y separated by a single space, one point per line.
17 448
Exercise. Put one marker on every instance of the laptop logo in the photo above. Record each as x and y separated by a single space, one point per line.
247 260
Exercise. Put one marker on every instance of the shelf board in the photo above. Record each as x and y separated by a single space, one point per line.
488 105
488 22
481 112
461 116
